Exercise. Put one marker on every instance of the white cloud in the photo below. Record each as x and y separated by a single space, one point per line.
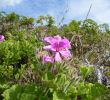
78 9
55 8
4 3
100 11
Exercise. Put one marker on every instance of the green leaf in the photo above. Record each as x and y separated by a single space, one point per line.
85 71
60 96
17 92
12 93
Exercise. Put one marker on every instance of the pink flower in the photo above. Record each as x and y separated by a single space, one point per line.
60 47
2 38
47 59
57 43
62 55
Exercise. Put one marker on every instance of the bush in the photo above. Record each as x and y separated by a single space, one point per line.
23 75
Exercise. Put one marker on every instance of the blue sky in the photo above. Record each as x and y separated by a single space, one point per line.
77 9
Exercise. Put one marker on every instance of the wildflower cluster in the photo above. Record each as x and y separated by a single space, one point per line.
58 47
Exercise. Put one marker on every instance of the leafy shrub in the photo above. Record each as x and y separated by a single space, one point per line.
23 75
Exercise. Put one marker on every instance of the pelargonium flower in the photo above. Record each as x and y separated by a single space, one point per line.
60 47
57 43
47 59
62 55
2 38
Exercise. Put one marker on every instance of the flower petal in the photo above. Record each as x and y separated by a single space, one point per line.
48 39
58 38
65 42
47 47
65 54
47 59
58 57
2 38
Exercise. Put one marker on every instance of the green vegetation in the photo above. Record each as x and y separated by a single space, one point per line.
23 76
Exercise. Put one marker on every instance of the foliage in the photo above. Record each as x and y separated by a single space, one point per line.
23 75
